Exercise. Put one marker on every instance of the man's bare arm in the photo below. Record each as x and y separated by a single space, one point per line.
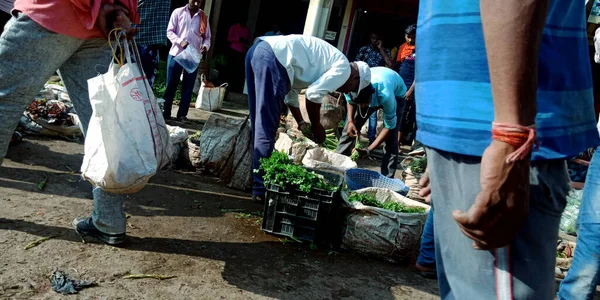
512 32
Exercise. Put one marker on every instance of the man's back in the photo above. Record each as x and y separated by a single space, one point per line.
453 83
306 58
387 83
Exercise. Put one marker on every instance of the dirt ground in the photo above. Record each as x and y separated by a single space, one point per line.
179 225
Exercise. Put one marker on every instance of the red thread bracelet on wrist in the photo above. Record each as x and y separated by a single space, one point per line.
351 121
521 137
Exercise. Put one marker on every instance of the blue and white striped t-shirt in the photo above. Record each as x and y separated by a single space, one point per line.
453 92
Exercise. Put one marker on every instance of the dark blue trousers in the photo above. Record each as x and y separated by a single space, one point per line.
268 84
150 60
187 86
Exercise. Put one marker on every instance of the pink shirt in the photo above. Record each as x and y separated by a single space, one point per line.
236 31
74 18
182 26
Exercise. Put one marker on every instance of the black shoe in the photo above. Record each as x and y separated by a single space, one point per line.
182 119
85 227
167 117
258 199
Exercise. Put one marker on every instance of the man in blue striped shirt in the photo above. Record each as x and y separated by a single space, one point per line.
524 67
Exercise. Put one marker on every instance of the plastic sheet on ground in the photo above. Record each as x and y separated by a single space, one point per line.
323 159
296 149
382 233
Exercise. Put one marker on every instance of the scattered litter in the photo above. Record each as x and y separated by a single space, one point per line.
37 242
144 276
61 283
285 240
227 210
42 184
70 170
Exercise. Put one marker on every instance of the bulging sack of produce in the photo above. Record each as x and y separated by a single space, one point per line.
323 159
226 150
127 139
390 231
333 110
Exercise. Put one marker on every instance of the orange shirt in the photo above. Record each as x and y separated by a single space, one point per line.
74 18
405 50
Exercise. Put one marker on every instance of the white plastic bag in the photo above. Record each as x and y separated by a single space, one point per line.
127 139
189 59
211 98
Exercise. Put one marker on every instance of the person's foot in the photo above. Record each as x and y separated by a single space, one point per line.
85 227
182 119
167 117
258 199
16 138
426 272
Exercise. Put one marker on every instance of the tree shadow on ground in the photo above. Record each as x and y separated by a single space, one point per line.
271 269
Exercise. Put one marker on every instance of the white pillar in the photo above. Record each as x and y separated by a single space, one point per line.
317 17
345 25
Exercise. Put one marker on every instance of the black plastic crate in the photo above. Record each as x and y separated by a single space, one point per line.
310 217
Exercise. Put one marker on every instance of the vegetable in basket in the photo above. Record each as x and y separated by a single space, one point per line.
370 200
280 170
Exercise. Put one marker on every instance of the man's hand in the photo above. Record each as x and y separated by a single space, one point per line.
203 49
410 95
363 152
425 184
184 44
502 205
318 133
379 44
304 127
107 15
352 131
122 21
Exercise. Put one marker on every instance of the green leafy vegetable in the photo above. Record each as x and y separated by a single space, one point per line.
280 170
419 165
359 145
370 200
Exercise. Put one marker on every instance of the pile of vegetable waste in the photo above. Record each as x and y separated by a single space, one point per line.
370 200
280 170
419 165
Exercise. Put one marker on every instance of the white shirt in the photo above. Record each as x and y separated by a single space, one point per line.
311 64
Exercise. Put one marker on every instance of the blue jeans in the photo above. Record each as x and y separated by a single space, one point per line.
372 133
268 84
23 45
187 86
427 251
584 274
150 59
